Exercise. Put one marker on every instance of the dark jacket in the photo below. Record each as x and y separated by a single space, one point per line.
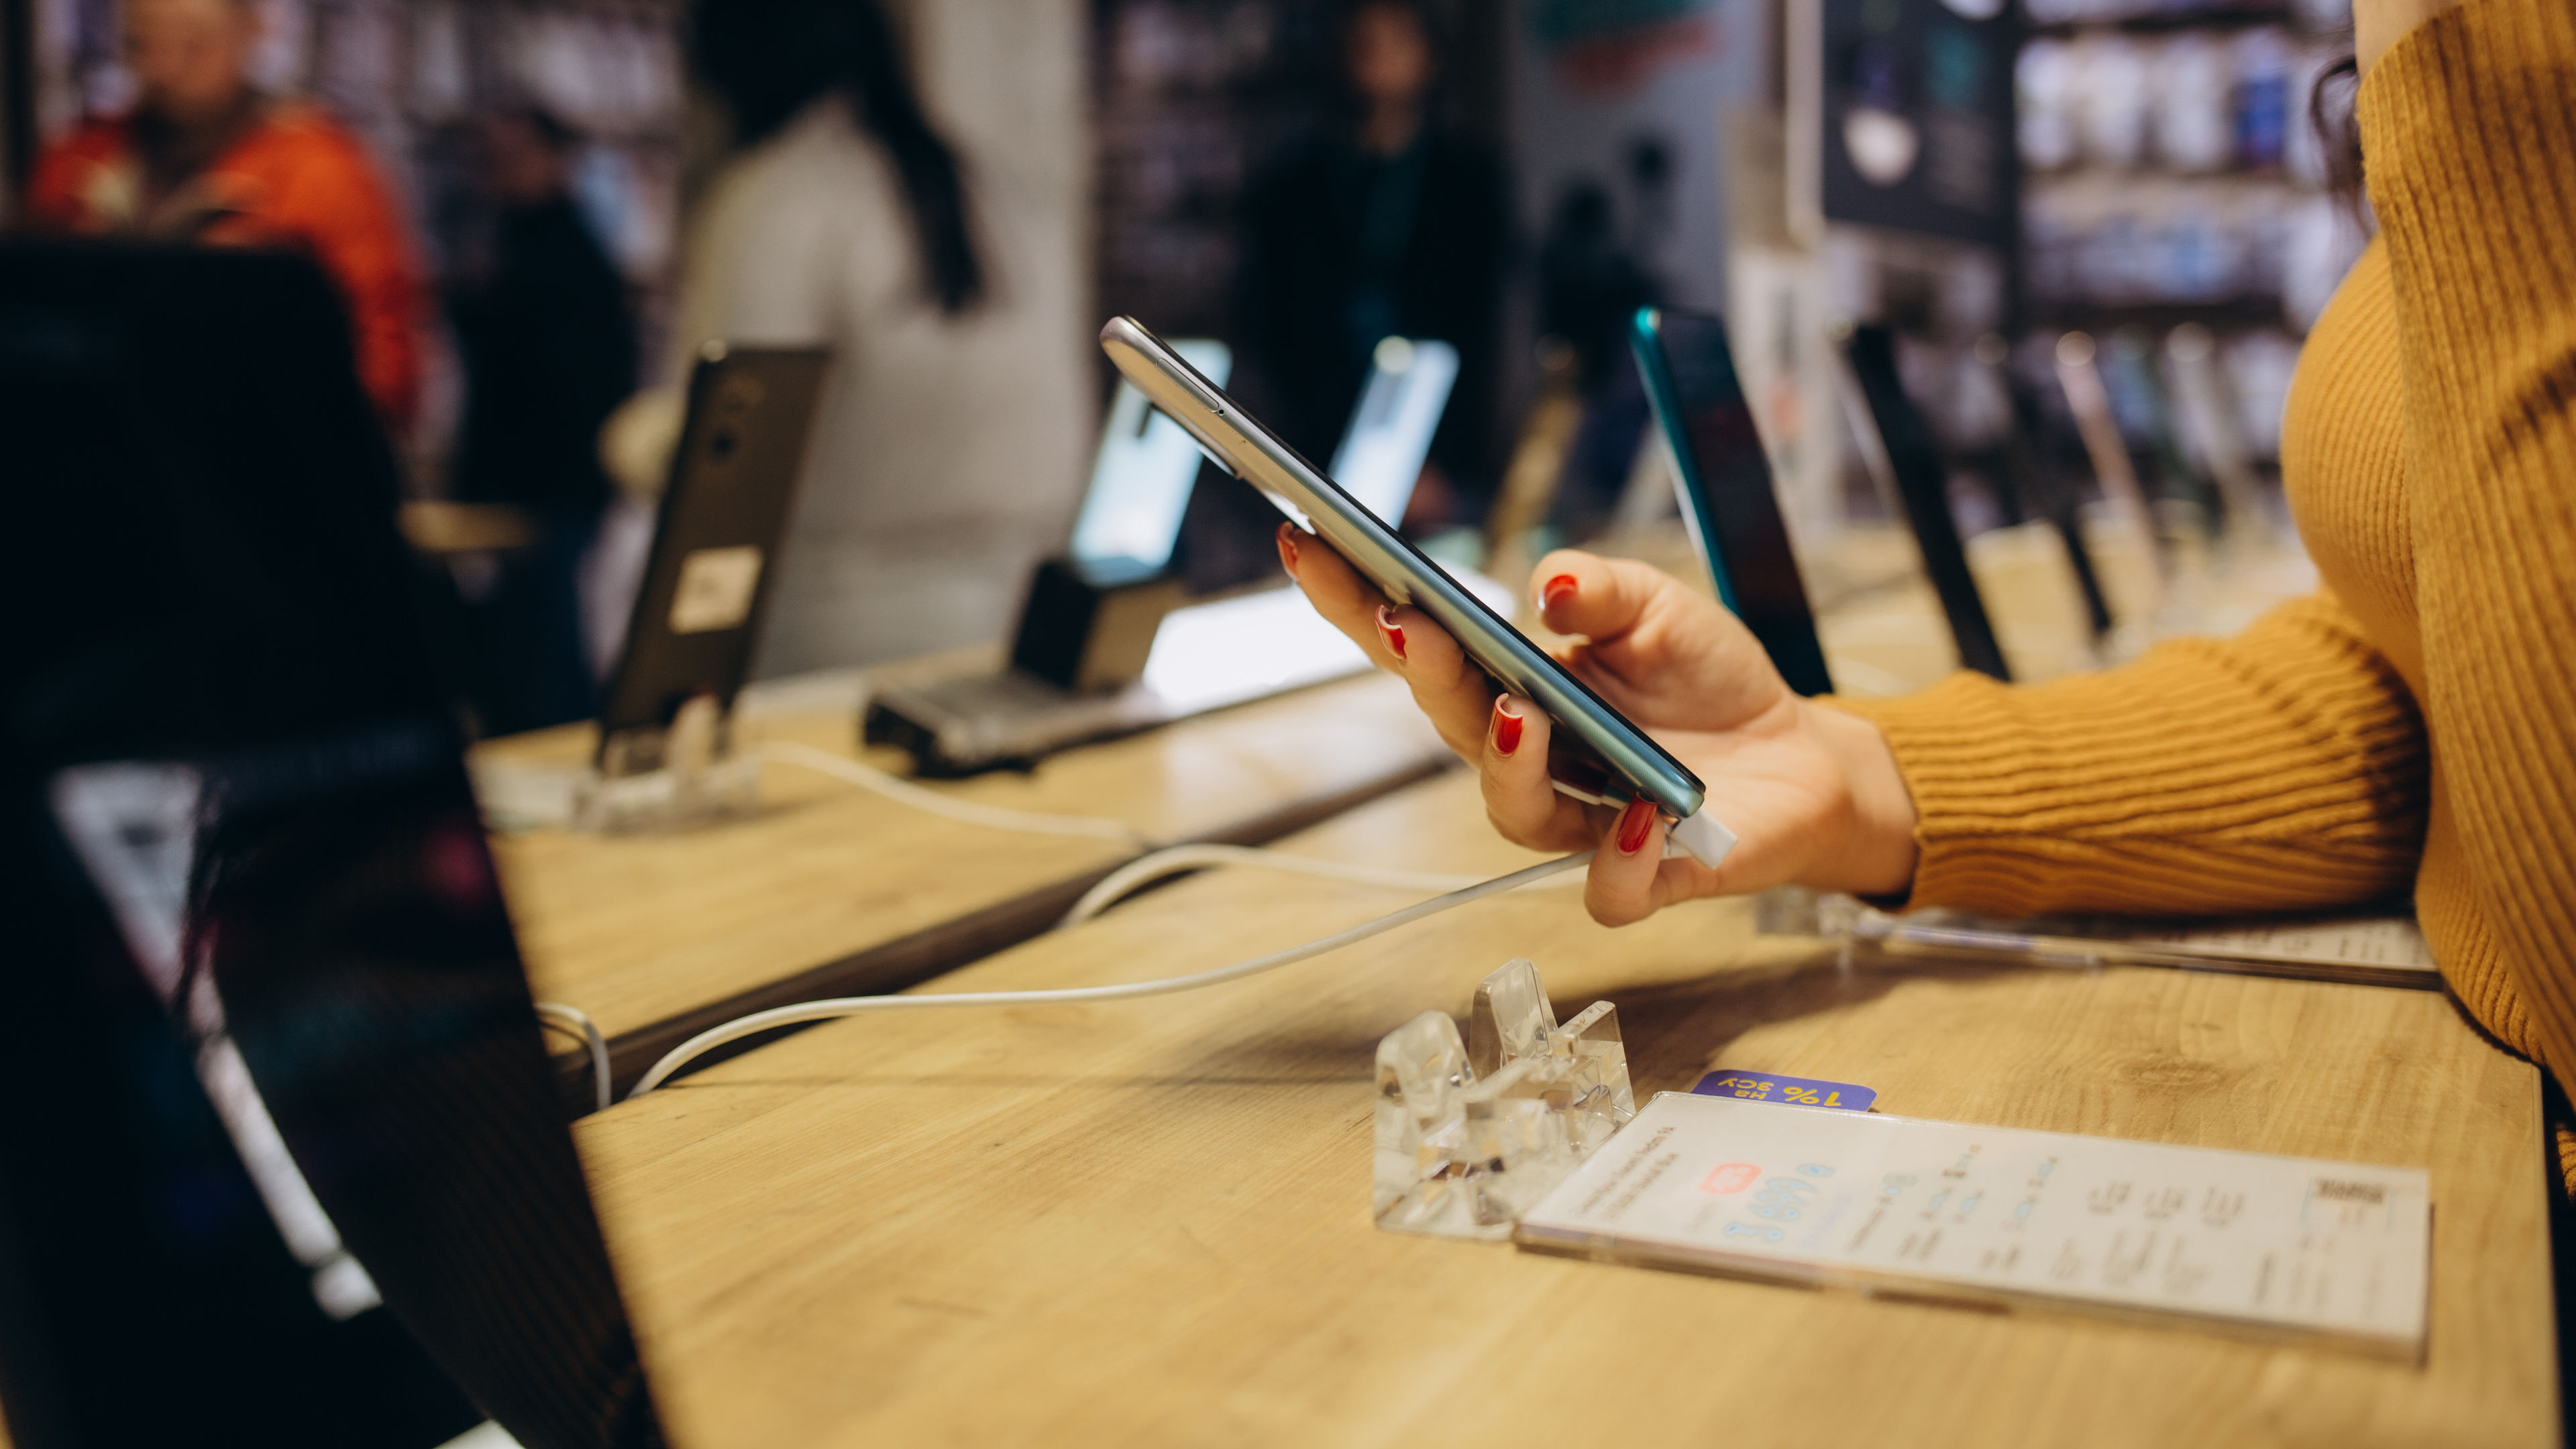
549 351
1342 248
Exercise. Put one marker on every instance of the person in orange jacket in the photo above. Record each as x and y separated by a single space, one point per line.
204 156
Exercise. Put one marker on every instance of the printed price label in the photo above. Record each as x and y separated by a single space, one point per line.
2336 1251
1794 1091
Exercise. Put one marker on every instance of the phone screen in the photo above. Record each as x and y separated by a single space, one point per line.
1140 482
1391 427
1724 480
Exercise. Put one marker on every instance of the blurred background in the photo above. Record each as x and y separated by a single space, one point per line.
2135 207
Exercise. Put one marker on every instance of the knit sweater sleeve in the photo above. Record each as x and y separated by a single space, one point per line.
2469 126
2280 770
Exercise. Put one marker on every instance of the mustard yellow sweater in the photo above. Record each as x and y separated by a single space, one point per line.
2419 715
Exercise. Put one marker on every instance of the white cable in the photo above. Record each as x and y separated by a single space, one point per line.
1173 860
895 787
578 1022
760 1021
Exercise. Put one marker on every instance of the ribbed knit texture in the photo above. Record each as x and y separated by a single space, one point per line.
2419 717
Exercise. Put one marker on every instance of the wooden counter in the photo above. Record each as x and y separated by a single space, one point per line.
833 889
1147 1222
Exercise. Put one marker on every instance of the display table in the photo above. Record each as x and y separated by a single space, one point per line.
832 889
1147 1222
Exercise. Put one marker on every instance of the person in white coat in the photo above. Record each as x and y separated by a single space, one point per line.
946 455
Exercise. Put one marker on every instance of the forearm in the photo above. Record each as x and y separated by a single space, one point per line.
2282 770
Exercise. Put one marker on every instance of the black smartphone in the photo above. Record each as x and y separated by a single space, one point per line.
1923 488
715 545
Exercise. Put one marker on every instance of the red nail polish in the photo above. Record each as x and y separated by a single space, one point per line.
1635 824
1555 591
1287 548
1386 626
1507 729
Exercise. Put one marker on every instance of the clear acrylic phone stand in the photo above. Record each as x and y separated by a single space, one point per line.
658 779
1471 1132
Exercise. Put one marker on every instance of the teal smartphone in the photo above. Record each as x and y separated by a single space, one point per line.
1629 763
1724 481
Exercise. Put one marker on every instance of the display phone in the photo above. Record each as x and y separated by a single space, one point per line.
1723 480
1602 757
1140 479
714 563
1923 490
1390 432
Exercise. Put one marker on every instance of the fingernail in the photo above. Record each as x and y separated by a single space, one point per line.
1507 726
1386 626
1554 592
1287 548
1635 824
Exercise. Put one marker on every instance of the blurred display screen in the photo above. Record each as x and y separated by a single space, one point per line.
1140 482
302 1175
1918 116
1390 431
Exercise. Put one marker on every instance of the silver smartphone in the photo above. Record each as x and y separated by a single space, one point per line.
1623 762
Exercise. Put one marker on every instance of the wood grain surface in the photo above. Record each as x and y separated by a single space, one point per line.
639 929
1147 1222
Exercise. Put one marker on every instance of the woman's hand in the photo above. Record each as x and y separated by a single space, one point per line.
1813 795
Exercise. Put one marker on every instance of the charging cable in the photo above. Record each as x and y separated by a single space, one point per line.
577 1021
826 1010
1175 860
895 787
1125 881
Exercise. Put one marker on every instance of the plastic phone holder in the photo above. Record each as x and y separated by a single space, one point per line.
1089 627
666 777
1473 1131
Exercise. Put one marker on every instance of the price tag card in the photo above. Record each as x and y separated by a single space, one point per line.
1797 1091
2276 1246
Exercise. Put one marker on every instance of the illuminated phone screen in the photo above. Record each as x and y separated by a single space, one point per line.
1140 482
1724 480
1390 429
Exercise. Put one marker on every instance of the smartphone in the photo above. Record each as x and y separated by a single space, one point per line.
1390 431
715 545
1606 759
1141 478
1723 479
1923 488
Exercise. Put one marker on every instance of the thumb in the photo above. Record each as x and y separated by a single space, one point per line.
1600 599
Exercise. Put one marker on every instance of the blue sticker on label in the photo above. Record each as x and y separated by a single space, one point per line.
1796 1091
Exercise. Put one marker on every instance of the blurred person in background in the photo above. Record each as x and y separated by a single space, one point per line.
1590 286
937 474
1387 224
548 346
205 157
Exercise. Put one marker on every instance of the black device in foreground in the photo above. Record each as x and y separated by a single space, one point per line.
716 542
286 1162
1923 488
1724 480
